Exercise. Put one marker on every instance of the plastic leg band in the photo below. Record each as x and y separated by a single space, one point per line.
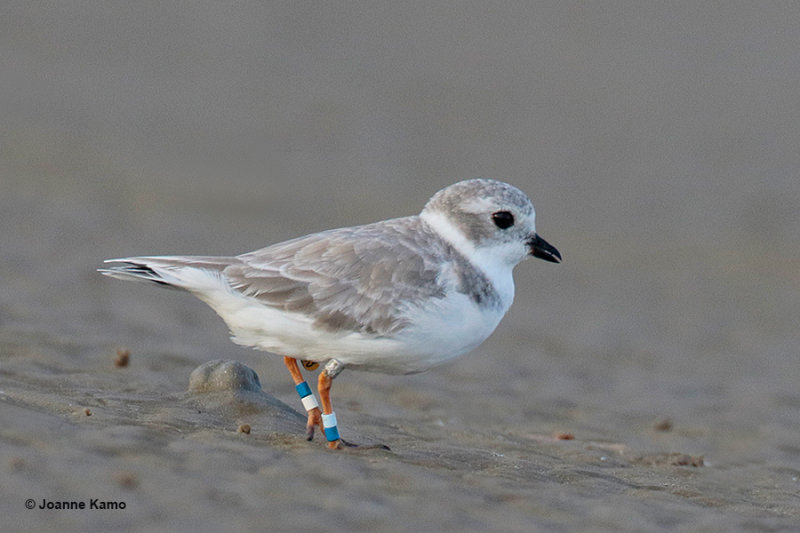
306 396
329 424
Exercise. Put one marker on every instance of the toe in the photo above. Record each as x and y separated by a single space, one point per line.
342 444
314 419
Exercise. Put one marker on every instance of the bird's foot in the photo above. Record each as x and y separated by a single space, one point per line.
342 444
314 419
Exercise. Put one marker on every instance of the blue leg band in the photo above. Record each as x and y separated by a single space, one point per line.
329 424
308 399
332 434
303 389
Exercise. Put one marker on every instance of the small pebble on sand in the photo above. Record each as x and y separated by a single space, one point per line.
126 479
123 358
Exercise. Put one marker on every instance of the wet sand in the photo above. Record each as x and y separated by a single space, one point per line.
566 419
647 383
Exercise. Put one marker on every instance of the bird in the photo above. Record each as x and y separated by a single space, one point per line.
398 296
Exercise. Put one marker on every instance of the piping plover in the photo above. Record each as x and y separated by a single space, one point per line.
397 296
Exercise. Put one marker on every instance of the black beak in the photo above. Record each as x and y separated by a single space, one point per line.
543 250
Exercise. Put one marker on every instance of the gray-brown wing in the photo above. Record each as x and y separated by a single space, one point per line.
353 279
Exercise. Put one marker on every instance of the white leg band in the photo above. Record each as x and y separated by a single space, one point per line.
329 421
329 425
310 402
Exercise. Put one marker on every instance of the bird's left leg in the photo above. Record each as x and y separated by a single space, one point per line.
331 370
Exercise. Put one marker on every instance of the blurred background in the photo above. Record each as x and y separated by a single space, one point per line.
660 143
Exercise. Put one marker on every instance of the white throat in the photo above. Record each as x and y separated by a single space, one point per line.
492 263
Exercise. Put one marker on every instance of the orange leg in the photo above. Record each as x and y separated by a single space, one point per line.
324 388
314 415
332 369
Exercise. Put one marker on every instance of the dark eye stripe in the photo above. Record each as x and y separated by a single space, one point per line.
503 219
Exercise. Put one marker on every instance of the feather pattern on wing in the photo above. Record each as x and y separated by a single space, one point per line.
365 279
343 278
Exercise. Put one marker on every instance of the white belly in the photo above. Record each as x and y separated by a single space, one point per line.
443 330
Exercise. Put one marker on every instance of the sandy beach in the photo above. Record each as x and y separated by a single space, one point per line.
648 383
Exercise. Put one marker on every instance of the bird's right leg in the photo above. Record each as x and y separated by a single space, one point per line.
306 395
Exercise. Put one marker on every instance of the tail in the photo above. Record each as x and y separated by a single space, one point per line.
189 273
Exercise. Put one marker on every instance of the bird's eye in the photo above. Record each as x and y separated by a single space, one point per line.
503 219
